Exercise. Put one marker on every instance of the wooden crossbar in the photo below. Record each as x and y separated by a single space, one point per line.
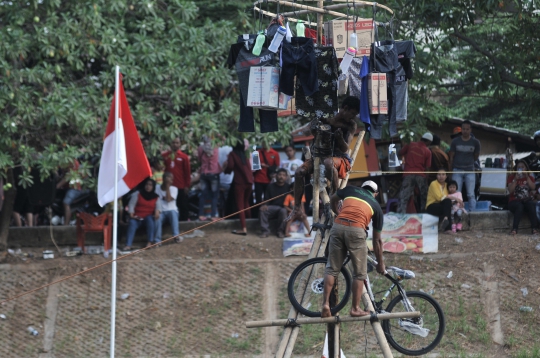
334 319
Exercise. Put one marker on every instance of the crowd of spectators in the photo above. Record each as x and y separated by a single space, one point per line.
224 183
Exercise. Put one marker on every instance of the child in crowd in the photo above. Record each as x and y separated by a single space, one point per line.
457 206
300 216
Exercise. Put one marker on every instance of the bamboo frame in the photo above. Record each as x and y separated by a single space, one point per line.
324 9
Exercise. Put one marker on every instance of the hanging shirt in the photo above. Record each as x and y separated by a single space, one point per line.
364 102
405 50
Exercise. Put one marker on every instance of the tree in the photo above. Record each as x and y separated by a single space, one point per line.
57 60
476 60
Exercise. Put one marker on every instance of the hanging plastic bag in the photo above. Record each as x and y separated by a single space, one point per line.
393 160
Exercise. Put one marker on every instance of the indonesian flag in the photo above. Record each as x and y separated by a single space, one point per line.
132 164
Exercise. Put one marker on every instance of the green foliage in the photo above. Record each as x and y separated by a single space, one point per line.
58 58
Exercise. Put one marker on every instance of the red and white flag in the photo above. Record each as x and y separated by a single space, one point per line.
132 163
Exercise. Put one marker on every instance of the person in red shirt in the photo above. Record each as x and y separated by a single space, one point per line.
269 158
177 163
521 187
144 209
417 157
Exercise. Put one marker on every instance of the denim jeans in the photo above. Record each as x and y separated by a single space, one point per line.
134 224
209 191
299 58
268 119
470 182
172 218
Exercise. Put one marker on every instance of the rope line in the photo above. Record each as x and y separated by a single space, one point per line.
448 172
136 252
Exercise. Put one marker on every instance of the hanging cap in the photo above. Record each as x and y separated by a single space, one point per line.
456 132
371 184
428 136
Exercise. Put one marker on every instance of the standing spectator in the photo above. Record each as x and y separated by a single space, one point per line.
156 164
167 194
439 158
177 163
521 186
238 164
225 180
209 178
291 163
464 151
144 209
269 160
437 202
275 208
417 159
71 179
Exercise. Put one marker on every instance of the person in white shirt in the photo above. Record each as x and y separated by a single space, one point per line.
291 163
167 197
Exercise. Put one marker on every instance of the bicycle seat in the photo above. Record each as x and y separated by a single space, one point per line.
404 274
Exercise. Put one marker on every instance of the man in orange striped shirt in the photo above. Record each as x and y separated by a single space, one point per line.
349 233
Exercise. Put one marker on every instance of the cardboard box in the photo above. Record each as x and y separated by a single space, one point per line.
263 89
377 94
338 32
286 106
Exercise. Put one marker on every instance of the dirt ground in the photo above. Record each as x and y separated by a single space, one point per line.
483 264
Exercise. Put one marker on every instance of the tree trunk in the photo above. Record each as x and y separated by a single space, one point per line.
7 210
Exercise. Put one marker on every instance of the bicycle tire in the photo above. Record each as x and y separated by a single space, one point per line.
432 318
311 304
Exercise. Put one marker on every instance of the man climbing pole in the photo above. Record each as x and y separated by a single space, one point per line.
330 143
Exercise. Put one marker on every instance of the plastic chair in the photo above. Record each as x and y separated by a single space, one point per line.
90 223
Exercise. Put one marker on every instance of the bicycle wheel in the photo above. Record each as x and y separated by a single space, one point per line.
415 336
311 273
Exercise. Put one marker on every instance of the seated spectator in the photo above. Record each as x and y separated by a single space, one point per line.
299 216
144 209
209 178
521 186
167 194
22 205
291 163
458 208
72 179
274 208
437 202
242 182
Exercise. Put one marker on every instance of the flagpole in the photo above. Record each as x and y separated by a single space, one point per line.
115 211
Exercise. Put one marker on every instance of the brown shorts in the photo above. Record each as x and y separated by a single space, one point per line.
343 167
347 238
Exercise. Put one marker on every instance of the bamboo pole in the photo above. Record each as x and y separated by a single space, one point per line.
334 319
377 328
289 335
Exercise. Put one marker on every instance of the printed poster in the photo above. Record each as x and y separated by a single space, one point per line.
297 243
408 233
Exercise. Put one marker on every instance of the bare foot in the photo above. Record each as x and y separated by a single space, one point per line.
359 313
293 213
326 311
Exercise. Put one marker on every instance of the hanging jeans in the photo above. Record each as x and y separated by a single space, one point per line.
298 58
268 119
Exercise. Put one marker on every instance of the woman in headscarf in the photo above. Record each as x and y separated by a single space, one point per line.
144 209
238 163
